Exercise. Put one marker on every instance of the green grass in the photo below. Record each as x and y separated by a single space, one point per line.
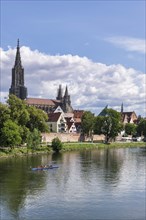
20 151
80 146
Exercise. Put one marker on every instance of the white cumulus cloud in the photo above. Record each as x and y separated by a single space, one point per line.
91 85
129 43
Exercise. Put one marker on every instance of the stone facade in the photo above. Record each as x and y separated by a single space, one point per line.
17 85
69 137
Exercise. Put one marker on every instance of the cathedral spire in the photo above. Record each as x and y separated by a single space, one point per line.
66 103
17 86
18 42
66 92
122 107
18 57
59 94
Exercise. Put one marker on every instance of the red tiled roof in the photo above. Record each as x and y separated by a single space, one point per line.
78 113
127 113
53 117
77 120
39 101
129 116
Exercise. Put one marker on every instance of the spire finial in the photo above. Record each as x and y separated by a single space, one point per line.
18 57
66 91
122 107
18 42
59 94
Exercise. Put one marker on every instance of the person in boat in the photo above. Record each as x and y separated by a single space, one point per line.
40 166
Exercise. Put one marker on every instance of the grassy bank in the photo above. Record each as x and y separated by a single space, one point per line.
21 151
80 146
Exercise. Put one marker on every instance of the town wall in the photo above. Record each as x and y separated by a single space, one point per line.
69 137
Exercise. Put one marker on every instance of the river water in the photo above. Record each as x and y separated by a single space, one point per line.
101 184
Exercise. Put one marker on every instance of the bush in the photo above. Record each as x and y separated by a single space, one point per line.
56 144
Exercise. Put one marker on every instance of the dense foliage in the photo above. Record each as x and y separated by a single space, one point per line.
20 123
87 123
34 139
141 127
109 125
56 144
130 129
10 135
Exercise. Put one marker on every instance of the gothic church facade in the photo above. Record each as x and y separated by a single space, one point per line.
18 89
17 85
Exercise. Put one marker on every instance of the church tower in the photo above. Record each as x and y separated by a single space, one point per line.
59 93
122 108
66 104
17 85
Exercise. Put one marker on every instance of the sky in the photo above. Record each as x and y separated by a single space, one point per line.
96 48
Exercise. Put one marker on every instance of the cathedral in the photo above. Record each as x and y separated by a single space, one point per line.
48 105
17 86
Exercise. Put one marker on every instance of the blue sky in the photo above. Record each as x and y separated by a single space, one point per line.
107 32
75 27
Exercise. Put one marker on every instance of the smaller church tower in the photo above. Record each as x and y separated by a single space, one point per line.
122 108
66 104
59 93
17 85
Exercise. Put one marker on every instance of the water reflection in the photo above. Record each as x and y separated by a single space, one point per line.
105 163
17 181
96 177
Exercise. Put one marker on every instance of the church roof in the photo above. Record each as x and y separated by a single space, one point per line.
68 115
78 113
130 116
53 117
104 111
77 120
69 124
39 101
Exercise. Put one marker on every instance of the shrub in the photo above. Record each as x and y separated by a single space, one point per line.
56 144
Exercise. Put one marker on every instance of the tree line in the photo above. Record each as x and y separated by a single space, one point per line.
111 125
22 124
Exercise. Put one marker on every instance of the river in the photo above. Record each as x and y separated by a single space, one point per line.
101 184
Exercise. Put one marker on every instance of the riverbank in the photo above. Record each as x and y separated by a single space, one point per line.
22 151
83 145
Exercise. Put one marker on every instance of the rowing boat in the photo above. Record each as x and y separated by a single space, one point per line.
44 168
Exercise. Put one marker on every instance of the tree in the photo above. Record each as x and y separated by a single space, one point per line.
141 127
109 125
33 139
25 115
130 129
22 119
87 123
18 110
24 132
4 115
98 122
56 144
10 135
38 119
